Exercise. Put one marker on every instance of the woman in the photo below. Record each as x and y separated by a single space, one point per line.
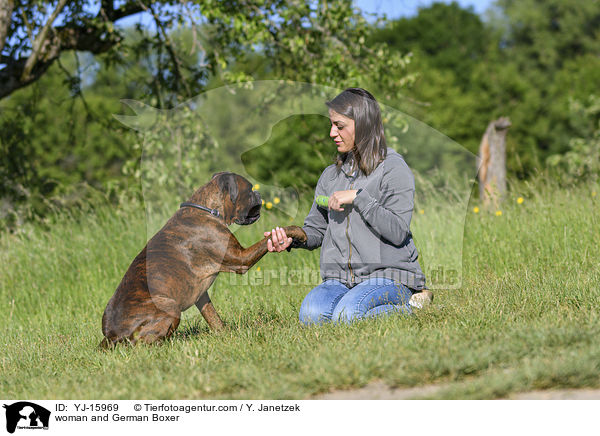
368 258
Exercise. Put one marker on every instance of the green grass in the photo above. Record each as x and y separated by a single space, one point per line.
527 315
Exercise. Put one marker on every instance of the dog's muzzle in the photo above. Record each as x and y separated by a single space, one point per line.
253 213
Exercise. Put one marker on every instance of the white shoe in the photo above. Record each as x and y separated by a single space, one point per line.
421 299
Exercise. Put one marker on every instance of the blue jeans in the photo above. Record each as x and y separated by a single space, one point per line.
333 301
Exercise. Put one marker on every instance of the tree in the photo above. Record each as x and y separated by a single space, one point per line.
315 39
446 35
191 47
545 33
31 41
582 160
448 43
547 56
526 61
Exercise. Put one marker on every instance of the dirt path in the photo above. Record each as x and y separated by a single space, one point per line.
380 391
563 394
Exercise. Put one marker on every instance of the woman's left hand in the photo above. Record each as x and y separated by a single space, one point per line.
339 198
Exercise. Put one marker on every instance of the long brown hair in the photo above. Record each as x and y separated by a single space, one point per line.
369 140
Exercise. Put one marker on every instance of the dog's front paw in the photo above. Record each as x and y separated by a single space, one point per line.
296 233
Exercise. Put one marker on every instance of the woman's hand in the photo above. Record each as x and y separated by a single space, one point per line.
278 240
339 198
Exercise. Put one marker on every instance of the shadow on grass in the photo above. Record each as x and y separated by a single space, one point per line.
193 329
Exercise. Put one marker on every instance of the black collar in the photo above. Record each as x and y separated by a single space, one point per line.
213 212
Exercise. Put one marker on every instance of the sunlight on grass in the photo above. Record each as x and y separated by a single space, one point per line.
526 317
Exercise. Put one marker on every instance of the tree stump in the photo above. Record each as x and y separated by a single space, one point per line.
492 169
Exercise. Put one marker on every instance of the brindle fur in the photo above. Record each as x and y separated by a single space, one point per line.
179 264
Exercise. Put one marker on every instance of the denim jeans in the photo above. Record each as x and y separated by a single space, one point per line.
333 301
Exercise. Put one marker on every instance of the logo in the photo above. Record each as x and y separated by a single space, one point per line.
25 415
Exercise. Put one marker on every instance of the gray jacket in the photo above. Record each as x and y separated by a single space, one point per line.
371 237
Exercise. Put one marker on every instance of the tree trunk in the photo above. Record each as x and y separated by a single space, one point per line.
6 9
492 169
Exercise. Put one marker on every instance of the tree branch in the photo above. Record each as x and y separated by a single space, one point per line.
106 9
51 42
27 26
170 49
39 41
125 10
92 39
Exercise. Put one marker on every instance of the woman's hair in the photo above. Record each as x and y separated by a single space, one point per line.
369 140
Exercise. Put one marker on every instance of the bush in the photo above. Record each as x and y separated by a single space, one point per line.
582 161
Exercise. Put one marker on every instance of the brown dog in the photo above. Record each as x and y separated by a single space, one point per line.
178 265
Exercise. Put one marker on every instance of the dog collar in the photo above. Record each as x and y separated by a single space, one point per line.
213 212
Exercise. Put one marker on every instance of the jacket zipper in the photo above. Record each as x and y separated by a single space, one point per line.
349 244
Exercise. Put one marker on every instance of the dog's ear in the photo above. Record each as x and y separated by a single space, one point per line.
227 183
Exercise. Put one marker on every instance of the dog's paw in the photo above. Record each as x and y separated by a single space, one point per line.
296 233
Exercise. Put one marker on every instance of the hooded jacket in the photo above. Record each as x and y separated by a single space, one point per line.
371 237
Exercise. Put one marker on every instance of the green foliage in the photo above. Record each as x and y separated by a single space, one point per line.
543 34
526 62
296 153
449 45
176 155
325 45
551 48
582 161
17 180
67 131
31 41
59 137
322 43
444 36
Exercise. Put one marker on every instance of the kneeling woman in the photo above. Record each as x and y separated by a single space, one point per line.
368 258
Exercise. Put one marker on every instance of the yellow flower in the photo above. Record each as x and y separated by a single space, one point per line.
256 187
421 211
276 200
263 202
475 209
520 200
593 193
258 268
498 213
269 205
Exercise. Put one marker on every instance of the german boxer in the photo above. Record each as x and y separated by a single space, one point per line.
178 265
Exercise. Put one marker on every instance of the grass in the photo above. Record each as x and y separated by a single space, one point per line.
526 317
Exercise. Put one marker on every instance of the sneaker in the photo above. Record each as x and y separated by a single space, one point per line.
421 298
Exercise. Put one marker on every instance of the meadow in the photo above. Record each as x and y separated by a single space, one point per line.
526 317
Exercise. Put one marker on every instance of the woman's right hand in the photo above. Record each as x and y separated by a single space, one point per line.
278 240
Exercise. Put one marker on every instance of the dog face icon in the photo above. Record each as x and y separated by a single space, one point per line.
26 414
